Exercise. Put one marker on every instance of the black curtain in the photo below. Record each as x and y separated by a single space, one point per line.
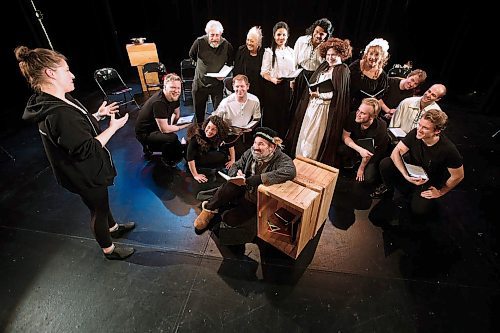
93 33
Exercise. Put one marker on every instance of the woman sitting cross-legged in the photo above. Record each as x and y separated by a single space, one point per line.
208 147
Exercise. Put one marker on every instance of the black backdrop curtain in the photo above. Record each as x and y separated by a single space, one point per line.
93 34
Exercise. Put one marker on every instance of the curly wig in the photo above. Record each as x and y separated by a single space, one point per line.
342 48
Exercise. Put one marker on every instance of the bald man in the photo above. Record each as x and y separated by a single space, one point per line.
411 109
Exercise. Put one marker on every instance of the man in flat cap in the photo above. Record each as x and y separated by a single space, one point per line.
263 163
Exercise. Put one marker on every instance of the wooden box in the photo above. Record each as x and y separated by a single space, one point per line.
295 198
141 54
320 178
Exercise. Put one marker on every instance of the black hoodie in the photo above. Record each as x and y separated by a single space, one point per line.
77 158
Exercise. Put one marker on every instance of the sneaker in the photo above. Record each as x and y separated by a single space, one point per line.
120 253
379 191
122 229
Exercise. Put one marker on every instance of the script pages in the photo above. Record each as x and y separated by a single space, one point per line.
396 133
228 178
185 120
225 70
415 170
292 75
250 125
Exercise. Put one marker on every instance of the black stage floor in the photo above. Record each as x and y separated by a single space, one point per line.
353 277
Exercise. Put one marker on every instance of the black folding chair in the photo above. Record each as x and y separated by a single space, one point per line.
151 81
187 76
112 86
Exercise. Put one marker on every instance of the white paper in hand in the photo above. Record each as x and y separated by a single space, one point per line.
228 178
225 70
415 171
185 120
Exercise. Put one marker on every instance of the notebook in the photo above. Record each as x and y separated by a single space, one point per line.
322 86
367 143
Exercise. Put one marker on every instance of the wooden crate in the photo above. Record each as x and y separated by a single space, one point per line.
318 177
299 200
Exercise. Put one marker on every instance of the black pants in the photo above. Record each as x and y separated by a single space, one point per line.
101 219
167 143
420 207
231 193
200 98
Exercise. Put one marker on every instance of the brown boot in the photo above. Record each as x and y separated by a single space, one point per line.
204 218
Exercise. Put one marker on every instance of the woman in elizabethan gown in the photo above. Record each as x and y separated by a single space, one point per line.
316 128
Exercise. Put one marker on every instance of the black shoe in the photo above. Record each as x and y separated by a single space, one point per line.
379 191
148 154
170 163
120 253
122 229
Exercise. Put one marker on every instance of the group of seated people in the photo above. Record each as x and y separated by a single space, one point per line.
321 126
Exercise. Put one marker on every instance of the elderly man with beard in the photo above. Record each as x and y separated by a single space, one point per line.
155 126
210 52
263 163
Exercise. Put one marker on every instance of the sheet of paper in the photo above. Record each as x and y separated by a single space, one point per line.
397 132
251 124
225 70
185 120
292 75
226 177
415 171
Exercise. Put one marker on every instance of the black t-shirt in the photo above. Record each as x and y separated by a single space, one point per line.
435 159
157 106
195 151
394 95
377 131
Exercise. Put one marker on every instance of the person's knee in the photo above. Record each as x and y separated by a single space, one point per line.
387 170
423 208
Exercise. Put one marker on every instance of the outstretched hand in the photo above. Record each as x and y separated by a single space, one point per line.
117 123
108 110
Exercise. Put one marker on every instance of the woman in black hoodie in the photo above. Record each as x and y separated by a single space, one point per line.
73 141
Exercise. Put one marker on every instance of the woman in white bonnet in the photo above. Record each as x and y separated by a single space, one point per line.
368 78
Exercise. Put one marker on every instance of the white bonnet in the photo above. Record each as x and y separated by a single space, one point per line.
379 42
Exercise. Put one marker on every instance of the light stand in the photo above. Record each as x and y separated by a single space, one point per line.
39 16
